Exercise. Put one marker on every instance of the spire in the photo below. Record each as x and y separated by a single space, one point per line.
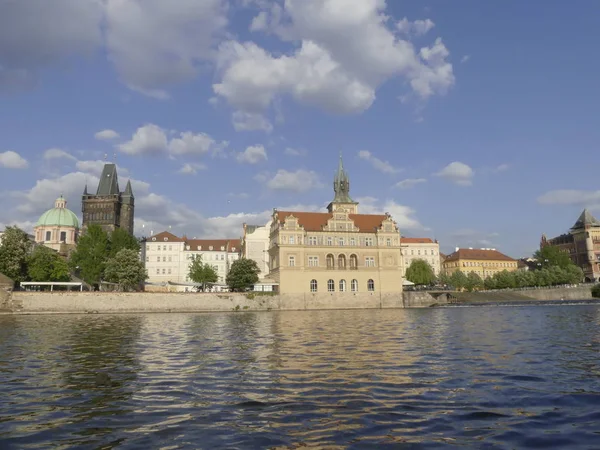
128 190
85 191
341 184
109 184
586 219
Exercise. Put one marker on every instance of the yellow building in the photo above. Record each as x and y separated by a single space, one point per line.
485 262
335 251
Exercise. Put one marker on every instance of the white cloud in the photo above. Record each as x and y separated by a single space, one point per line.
417 28
501 168
189 143
409 183
12 160
458 173
465 58
106 135
344 54
570 197
57 153
191 168
252 155
299 181
294 152
403 215
248 121
382 166
149 139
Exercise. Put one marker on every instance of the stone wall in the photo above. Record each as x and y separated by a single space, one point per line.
420 299
576 293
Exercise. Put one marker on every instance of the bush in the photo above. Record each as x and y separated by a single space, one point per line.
596 291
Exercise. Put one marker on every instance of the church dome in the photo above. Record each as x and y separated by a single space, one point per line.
59 216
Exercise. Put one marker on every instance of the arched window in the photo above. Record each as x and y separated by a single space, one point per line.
354 285
331 286
330 261
353 262
313 285
342 262
342 285
370 285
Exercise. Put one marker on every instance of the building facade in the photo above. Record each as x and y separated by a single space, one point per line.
167 257
335 251
109 207
582 243
58 228
255 246
485 262
420 248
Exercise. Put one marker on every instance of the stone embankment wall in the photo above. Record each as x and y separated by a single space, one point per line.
113 302
575 293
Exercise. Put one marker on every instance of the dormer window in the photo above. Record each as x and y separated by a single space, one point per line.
233 249
153 238
187 247
210 248
166 239
222 248
199 247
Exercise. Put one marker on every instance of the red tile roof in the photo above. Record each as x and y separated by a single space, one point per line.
170 237
407 240
315 221
216 244
487 255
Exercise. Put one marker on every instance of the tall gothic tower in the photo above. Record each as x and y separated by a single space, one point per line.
109 208
341 189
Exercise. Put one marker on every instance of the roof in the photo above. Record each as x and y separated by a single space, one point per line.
109 183
479 254
59 216
165 236
407 240
586 219
216 244
316 221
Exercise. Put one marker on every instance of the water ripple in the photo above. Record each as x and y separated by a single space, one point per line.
489 377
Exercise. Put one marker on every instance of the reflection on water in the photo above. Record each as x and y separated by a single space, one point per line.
470 377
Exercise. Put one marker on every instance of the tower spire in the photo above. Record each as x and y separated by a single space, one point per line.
341 184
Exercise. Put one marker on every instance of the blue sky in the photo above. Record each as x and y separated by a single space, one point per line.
473 123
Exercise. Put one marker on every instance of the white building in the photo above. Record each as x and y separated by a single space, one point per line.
420 248
168 257
255 246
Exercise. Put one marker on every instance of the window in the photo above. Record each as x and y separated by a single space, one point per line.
292 240
353 262
388 242
354 285
158 259
169 259
342 285
341 241
63 236
369 242
370 261
313 261
148 247
164 259
312 240
222 248
342 262
48 235
157 271
291 261
147 259
169 271
352 241
163 271
330 261
210 248
370 285
330 286
170 247
329 241
164 247
313 285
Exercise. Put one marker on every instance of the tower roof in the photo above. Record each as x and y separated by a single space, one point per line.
59 216
109 183
128 190
586 219
341 185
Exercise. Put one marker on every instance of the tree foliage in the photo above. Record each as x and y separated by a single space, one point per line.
474 282
126 270
45 264
459 280
89 258
550 255
14 253
120 239
420 272
551 276
596 291
200 272
242 274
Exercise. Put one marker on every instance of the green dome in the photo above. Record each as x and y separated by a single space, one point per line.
59 216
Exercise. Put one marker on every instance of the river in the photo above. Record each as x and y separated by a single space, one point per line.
480 377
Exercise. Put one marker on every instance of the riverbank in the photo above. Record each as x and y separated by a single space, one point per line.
76 302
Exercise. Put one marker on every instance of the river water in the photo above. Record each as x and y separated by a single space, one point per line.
481 377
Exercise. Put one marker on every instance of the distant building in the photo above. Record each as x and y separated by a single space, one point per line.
109 207
57 228
485 262
167 257
255 246
420 248
338 251
582 243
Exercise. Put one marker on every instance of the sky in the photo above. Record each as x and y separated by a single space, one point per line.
474 123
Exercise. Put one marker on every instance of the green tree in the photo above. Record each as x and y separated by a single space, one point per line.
474 282
550 255
420 272
120 239
458 279
202 273
505 280
89 258
596 291
46 265
14 253
126 270
444 278
242 275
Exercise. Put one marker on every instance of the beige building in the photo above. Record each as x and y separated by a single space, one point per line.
167 257
485 262
335 251
58 228
421 248
255 246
